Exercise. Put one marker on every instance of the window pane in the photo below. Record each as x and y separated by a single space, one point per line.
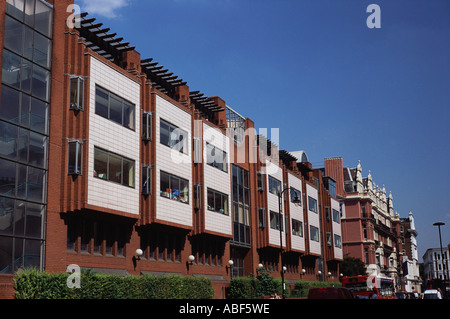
44 19
29 12
11 69
13 35
164 133
8 140
28 43
101 102
115 168
41 83
9 104
175 187
33 250
218 203
165 185
34 220
100 164
6 216
6 255
15 8
42 50
38 148
129 115
23 142
35 189
25 103
211 205
184 191
7 178
19 218
38 116
128 173
22 173
25 76
115 109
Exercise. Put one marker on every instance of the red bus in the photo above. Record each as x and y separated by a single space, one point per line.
366 287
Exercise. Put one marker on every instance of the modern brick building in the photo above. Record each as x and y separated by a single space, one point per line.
104 153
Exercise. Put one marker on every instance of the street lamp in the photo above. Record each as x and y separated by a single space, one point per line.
297 202
439 224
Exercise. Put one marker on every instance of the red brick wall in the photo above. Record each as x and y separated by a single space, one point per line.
7 287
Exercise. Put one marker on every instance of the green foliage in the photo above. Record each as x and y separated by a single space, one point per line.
254 287
32 284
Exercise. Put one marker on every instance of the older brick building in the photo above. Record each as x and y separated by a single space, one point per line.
105 153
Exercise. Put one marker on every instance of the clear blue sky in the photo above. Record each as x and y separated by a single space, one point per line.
315 70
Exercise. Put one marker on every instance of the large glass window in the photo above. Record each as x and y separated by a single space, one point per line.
113 167
25 93
314 233
274 185
240 206
174 137
217 202
312 204
114 108
216 157
174 187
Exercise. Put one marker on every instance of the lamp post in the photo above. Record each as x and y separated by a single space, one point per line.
439 224
297 201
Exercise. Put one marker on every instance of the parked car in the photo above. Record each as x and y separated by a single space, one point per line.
330 293
432 294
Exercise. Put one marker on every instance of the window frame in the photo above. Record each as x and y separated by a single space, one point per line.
226 210
123 158
123 103
78 170
317 231
274 182
171 129
297 231
278 218
78 103
221 154
180 179
314 206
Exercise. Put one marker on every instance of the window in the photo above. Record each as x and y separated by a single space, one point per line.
75 157
217 202
262 217
174 137
114 108
198 196
312 204
297 228
174 188
260 181
240 206
314 233
274 186
295 194
336 216
146 180
76 93
329 240
276 221
147 126
216 158
113 167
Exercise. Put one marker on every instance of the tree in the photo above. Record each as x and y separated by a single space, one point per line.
352 266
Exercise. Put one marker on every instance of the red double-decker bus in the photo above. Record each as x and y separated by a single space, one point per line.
370 287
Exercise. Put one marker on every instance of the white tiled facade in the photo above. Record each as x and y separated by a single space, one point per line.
217 180
273 204
313 219
173 162
296 212
115 138
337 230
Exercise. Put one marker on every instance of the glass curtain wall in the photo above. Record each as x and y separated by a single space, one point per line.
24 109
